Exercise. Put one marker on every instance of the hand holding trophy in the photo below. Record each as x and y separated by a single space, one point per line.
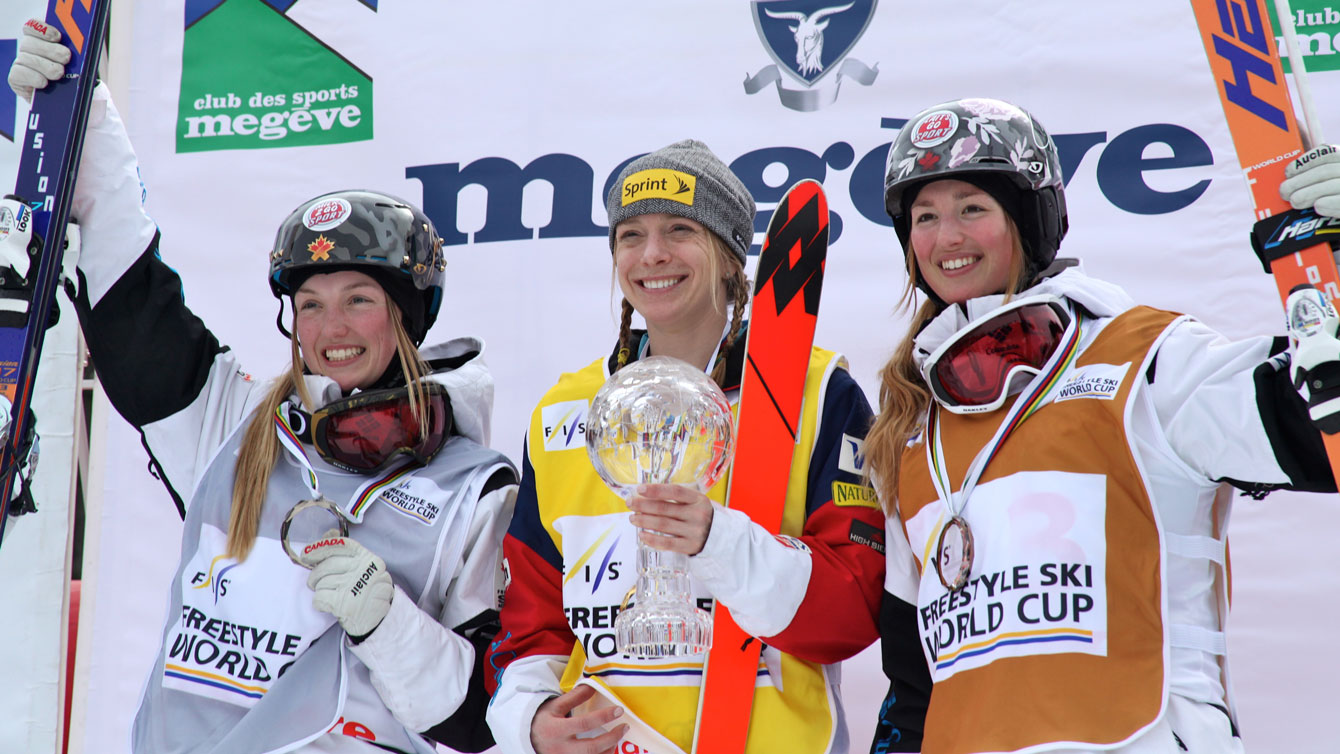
660 421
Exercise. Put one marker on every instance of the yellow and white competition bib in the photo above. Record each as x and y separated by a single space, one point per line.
640 738
1038 583
231 642
599 569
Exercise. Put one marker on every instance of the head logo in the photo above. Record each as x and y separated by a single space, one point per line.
326 215
564 425
808 39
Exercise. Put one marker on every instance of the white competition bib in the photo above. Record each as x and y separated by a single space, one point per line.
231 642
1038 583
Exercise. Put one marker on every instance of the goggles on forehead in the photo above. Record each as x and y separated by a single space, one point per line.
367 431
978 368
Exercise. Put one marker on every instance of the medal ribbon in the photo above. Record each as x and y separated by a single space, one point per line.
1029 401
289 439
366 493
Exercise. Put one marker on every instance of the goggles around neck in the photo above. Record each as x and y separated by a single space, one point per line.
990 358
367 431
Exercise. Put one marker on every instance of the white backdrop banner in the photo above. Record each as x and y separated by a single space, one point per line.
505 121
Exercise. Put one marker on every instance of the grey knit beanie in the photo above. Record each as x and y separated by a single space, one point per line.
685 179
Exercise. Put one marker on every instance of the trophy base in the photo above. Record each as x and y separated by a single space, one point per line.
655 631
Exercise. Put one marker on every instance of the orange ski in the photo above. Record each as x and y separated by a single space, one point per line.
1240 44
781 332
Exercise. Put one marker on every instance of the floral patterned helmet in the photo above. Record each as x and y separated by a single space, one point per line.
982 137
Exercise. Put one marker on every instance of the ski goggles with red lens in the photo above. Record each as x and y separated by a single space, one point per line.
977 369
367 431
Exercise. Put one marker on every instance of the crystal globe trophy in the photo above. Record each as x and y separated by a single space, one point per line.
660 421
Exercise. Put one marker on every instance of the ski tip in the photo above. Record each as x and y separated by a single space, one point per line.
805 187
802 192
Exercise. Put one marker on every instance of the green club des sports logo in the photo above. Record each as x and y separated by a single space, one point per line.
1318 25
253 78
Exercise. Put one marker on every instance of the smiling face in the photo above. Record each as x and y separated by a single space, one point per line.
963 240
344 327
665 269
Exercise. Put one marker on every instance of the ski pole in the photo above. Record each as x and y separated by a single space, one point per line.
1310 129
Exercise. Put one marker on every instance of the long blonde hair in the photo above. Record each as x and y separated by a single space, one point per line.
903 395
719 255
260 445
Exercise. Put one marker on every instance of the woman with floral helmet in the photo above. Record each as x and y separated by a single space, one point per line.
368 637
1051 457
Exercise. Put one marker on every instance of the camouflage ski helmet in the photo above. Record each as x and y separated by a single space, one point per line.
387 238
988 141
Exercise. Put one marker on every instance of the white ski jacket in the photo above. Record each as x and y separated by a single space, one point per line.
247 664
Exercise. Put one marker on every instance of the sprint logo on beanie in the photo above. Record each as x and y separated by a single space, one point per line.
659 183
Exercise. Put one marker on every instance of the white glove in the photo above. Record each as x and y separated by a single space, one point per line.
1312 181
349 582
40 60
1315 354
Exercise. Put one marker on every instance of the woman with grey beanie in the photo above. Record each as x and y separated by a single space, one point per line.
681 225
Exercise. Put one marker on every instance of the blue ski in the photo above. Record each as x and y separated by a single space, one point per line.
48 165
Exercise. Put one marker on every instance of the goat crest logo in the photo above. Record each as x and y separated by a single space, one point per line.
809 39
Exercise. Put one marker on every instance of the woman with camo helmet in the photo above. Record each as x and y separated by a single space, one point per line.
362 638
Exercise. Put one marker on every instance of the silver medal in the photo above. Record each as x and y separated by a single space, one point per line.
321 503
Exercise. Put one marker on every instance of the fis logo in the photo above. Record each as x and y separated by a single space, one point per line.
595 564
808 40
659 183
564 425
216 583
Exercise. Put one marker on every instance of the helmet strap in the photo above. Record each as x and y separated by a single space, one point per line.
279 320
